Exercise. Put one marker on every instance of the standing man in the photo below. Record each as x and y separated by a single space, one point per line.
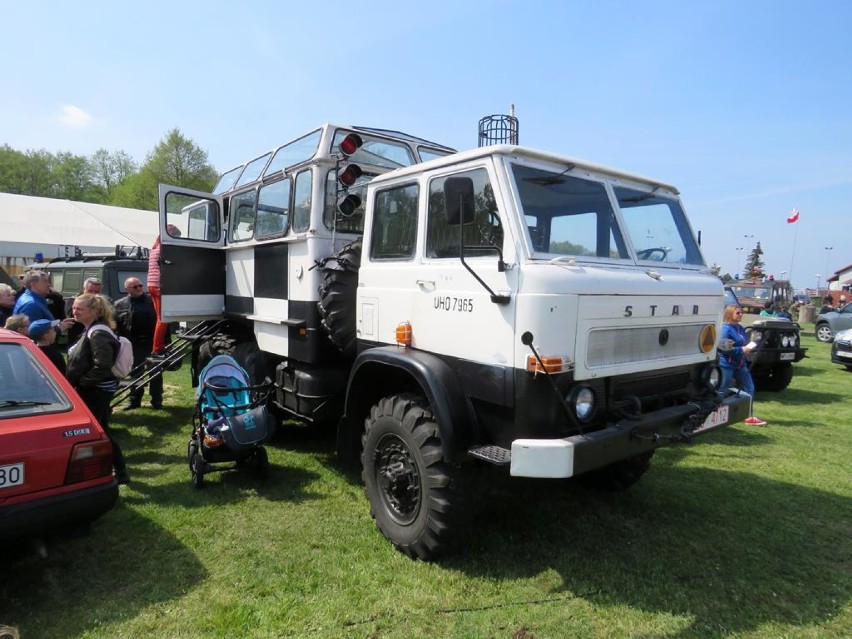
136 319
32 301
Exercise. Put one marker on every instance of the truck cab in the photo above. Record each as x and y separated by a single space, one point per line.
504 306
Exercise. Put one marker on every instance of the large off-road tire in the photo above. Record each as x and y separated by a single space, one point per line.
245 351
775 379
412 491
823 333
337 293
618 476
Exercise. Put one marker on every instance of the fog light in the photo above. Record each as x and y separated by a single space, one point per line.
584 403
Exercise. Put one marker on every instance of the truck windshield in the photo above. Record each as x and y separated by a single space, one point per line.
571 216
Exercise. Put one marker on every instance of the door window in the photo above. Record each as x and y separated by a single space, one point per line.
394 230
480 236
242 216
273 209
302 202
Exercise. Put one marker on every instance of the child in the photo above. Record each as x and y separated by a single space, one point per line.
43 333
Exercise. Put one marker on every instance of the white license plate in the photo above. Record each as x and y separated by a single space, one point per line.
843 354
11 475
716 418
786 356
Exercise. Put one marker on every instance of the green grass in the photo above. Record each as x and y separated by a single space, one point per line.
745 534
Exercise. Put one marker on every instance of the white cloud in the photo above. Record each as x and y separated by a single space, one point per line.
75 117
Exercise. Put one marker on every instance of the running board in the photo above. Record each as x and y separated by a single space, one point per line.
492 454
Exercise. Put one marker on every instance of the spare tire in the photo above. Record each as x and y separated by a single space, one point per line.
337 294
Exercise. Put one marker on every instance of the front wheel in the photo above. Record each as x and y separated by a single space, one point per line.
777 379
197 469
823 333
411 490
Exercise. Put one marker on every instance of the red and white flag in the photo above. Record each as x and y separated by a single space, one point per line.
794 216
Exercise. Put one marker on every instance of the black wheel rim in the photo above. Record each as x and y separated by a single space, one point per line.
398 479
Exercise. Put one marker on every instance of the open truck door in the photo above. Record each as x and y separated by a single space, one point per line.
192 254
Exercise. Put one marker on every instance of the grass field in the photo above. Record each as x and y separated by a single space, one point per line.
746 534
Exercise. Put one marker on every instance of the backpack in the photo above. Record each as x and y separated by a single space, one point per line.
124 359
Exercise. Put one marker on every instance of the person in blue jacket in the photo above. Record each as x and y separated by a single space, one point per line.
32 302
732 358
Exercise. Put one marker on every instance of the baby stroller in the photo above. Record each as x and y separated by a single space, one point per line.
230 422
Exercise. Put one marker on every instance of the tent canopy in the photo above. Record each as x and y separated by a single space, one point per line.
30 225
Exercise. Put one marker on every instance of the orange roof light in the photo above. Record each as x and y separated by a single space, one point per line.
403 333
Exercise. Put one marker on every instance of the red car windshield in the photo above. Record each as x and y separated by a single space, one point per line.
26 385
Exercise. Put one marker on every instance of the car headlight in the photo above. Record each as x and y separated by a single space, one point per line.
583 402
786 341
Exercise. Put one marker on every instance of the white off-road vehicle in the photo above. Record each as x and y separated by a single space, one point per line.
502 306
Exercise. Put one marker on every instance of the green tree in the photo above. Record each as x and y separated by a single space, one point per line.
71 177
110 169
175 160
754 265
26 173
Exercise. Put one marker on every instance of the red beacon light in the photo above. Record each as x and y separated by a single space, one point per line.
350 144
349 175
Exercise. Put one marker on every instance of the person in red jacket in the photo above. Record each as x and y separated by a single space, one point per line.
161 330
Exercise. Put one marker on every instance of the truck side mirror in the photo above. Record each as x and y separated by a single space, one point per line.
459 200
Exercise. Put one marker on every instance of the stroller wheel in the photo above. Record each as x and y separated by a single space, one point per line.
197 468
191 449
262 462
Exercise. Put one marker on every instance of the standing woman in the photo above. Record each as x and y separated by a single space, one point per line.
89 368
733 361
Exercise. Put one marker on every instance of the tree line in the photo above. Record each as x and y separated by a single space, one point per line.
105 177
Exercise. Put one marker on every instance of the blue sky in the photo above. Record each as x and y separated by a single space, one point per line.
744 106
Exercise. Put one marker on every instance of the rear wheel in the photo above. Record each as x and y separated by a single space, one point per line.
618 476
411 489
823 333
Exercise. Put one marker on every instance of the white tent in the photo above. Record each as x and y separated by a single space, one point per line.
39 225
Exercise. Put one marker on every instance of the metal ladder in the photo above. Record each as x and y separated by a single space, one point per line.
172 356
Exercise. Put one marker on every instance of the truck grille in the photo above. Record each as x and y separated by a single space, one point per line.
608 347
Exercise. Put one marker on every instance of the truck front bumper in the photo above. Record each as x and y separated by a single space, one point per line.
575 455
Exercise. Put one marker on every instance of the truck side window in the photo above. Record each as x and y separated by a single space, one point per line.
242 216
273 209
442 239
302 202
395 223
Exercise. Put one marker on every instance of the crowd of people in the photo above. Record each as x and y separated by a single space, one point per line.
39 312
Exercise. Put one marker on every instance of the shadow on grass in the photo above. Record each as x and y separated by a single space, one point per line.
77 580
228 485
729 551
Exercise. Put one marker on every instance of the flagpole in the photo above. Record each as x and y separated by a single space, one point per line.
793 252
793 219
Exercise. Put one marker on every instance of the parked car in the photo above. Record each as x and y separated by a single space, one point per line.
841 349
829 323
779 347
55 460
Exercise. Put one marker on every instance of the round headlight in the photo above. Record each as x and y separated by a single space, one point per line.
785 341
584 403
712 376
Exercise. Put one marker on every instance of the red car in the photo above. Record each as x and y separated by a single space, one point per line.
55 460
